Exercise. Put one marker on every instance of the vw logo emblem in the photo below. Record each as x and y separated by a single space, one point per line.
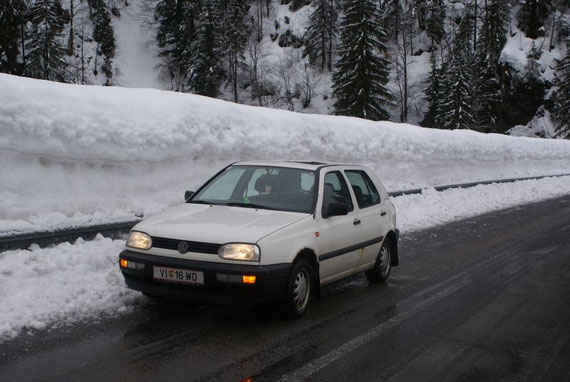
183 247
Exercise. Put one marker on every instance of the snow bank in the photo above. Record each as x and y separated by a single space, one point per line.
60 285
44 288
69 152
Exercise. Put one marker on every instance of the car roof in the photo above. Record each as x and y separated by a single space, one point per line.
306 165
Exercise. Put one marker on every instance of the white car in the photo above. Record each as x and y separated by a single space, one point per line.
266 230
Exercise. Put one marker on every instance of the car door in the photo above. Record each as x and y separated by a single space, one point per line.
373 216
338 236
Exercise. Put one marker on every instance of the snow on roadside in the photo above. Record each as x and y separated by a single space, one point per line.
46 288
432 208
102 151
50 287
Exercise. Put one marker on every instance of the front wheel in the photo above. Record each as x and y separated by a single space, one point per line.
382 267
298 291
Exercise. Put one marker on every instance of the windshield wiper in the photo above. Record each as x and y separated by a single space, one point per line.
249 205
201 202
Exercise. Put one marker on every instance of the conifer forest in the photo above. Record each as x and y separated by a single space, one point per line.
492 66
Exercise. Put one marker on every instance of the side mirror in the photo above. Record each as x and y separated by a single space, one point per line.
335 209
188 195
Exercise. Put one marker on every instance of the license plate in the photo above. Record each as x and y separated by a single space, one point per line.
176 275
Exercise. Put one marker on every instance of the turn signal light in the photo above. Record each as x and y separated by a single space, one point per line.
248 279
124 263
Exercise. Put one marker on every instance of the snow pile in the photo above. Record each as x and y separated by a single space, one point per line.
44 288
69 152
516 50
60 285
432 208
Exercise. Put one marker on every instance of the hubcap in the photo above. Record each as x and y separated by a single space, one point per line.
385 260
301 290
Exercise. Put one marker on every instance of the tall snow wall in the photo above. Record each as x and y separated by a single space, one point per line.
72 154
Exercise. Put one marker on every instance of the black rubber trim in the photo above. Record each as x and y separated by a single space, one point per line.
193 246
342 251
270 285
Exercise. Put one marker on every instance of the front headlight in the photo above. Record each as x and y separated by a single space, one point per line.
239 251
139 240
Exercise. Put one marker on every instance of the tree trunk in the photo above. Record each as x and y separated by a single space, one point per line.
70 42
323 49
475 28
234 74
330 51
23 44
552 32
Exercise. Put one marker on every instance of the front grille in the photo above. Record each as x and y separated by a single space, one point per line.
193 246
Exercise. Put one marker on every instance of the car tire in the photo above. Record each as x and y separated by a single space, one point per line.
383 264
299 286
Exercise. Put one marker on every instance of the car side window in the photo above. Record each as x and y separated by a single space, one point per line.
364 189
336 191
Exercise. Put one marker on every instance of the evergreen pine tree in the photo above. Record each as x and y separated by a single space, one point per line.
45 50
433 94
486 94
12 18
435 19
463 39
532 69
561 110
495 30
487 90
321 32
532 15
175 37
457 103
359 82
103 33
204 77
391 11
236 34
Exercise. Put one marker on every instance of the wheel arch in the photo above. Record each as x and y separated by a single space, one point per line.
392 237
310 256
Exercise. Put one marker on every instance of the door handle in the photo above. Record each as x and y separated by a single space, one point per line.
356 222
383 213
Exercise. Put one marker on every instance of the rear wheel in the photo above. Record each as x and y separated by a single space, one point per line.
299 288
382 267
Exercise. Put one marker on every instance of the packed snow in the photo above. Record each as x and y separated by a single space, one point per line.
136 59
75 154
46 288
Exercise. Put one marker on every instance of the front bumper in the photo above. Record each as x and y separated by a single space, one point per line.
270 283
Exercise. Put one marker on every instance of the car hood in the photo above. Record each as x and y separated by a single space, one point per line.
217 224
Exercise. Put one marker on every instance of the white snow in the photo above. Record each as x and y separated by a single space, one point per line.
50 287
72 153
136 57
46 288
518 46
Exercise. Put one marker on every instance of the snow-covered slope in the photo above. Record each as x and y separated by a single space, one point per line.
136 57
73 154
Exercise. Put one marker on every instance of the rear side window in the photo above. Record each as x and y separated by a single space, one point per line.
364 189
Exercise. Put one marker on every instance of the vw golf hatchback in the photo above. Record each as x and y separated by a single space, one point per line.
271 230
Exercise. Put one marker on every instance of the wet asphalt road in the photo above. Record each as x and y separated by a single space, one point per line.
486 298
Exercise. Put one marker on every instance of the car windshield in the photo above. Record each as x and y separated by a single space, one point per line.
274 188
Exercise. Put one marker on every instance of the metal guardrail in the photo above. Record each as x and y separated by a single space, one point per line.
471 184
115 230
